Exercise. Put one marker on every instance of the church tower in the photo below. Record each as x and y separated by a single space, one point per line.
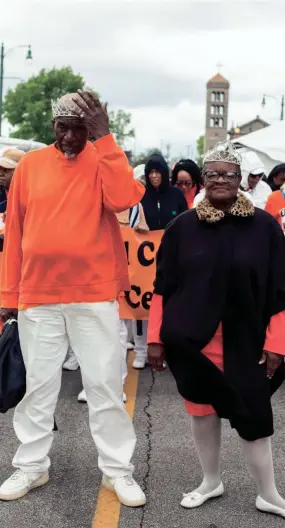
217 111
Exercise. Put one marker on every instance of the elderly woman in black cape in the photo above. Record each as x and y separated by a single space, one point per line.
217 318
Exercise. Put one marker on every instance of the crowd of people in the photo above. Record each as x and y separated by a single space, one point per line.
217 317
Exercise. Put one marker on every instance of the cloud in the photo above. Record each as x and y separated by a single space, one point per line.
155 57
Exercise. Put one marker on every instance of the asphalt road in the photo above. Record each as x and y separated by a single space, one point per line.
166 465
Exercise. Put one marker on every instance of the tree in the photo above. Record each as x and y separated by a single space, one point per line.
28 106
200 149
143 156
120 123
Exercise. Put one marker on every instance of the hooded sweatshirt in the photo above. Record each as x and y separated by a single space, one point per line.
165 203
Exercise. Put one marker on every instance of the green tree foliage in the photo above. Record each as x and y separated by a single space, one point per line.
200 149
120 125
28 106
143 156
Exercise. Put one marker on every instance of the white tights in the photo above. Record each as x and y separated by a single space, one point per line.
206 432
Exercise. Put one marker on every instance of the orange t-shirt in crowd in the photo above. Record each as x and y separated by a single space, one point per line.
276 207
62 239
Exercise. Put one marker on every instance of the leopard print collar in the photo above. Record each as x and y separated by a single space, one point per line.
242 207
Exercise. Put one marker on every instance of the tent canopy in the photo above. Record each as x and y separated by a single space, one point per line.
268 143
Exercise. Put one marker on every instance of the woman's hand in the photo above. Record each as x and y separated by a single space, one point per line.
273 361
155 352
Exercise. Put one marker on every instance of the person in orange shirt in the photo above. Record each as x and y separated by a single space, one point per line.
276 206
69 267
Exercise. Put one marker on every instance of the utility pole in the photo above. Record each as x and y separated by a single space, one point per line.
168 149
2 57
282 109
1 83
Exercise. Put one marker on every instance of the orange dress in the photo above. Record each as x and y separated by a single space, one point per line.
275 342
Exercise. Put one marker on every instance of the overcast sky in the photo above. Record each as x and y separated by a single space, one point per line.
154 57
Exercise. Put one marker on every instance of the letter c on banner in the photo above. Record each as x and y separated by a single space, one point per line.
141 253
137 290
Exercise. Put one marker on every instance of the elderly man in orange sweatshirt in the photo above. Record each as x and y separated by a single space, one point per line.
64 265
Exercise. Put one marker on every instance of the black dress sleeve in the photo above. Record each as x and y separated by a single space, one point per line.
166 280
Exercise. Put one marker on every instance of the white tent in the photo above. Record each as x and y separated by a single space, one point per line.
268 143
21 144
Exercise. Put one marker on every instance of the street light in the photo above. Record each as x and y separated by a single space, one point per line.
3 54
263 103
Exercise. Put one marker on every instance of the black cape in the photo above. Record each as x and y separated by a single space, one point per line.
232 272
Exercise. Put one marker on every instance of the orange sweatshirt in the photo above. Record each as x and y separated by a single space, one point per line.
276 207
62 241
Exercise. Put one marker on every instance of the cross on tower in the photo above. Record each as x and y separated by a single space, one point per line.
219 66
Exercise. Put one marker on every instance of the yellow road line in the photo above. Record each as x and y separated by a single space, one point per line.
107 514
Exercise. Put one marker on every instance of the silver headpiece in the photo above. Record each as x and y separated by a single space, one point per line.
65 106
225 152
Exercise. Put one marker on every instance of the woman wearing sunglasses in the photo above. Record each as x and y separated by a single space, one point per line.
186 175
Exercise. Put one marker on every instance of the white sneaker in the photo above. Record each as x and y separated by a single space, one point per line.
71 364
20 483
196 499
130 346
266 507
124 397
82 397
139 363
127 490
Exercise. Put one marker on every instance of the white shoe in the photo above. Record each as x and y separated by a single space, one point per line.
139 363
127 490
195 499
266 507
82 397
71 364
130 346
20 483
124 397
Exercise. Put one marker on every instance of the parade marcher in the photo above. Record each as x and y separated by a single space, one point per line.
186 175
218 309
276 178
9 160
161 202
276 206
69 266
252 170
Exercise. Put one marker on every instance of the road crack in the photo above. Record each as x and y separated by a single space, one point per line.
148 434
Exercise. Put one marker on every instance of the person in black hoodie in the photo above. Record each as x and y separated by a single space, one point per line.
161 202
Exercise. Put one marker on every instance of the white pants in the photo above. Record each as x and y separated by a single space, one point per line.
140 343
92 329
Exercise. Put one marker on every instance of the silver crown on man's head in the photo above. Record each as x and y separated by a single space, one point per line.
65 106
225 152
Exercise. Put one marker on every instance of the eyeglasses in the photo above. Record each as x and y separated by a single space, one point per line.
188 183
227 176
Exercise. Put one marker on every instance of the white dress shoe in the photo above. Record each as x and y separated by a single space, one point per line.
124 397
82 397
127 490
194 499
20 483
266 507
